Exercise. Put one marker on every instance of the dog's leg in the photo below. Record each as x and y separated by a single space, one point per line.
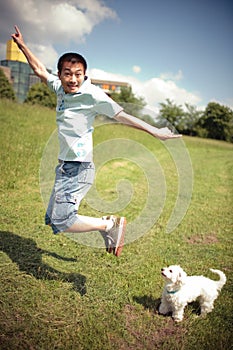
164 307
206 306
178 313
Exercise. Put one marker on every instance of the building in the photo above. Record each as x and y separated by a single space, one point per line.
110 86
22 77
13 53
7 72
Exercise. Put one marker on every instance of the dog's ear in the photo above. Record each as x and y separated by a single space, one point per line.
181 276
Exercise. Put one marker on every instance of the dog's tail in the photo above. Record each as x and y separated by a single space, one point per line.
222 280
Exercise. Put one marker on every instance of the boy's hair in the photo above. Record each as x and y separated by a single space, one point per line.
71 57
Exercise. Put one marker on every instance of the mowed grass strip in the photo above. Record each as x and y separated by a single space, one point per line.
57 294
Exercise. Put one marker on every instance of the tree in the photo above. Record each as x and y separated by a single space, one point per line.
129 101
192 117
171 114
6 90
40 94
217 122
132 105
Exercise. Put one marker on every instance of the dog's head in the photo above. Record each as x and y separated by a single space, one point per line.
174 274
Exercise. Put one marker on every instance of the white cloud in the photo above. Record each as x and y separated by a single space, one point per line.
154 91
228 102
55 21
172 76
45 53
157 90
136 69
64 12
95 73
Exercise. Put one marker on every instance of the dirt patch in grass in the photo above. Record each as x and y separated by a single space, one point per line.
147 330
203 239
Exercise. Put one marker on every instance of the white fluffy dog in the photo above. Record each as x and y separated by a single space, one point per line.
180 289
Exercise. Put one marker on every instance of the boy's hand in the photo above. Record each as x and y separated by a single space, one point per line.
164 134
17 37
37 66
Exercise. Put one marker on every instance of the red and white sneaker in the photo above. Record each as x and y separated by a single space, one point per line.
114 238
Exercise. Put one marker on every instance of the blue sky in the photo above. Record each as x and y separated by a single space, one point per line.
182 50
195 37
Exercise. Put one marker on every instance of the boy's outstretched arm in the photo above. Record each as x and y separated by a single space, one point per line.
38 67
162 134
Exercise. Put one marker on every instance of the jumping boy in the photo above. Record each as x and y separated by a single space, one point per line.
78 103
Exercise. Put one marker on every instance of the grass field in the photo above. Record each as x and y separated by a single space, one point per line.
58 294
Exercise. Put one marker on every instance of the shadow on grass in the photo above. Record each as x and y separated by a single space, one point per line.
152 305
25 253
148 302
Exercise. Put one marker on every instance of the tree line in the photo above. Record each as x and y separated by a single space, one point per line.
215 122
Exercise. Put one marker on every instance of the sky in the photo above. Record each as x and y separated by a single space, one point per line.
180 50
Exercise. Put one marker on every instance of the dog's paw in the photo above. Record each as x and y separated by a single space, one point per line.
177 318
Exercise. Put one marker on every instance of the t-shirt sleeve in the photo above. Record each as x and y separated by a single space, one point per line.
108 108
105 105
53 82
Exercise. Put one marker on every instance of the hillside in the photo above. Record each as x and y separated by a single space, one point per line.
60 292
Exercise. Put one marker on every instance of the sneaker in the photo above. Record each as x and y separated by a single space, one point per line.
106 242
116 235
105 236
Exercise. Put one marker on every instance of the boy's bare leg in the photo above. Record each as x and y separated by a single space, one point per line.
112 230
87 224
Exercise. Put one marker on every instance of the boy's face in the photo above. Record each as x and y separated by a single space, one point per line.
71 76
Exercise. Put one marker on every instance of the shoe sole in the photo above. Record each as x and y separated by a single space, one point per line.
122 228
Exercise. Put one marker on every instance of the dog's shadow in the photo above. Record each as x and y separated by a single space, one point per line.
152 305
25 253
148 302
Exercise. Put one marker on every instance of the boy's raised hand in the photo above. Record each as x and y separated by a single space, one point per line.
37 66
165 134
17 36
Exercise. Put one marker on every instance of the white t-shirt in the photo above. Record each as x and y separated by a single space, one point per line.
75 117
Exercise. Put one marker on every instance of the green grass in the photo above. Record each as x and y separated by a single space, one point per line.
57 294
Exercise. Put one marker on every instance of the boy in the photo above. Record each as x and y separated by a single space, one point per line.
78 103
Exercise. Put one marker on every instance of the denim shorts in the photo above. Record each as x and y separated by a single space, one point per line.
73 181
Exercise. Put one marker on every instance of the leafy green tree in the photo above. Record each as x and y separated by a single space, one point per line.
6 90
217 122
40 94
192 117
132 105
171 114
129 101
